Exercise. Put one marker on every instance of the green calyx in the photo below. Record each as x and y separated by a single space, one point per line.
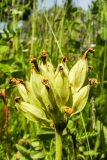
53 96
78 73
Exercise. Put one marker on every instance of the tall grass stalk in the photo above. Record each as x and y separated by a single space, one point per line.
15 24
33 42
103 25
54 35
86 134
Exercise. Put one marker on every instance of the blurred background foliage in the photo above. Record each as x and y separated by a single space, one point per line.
26 30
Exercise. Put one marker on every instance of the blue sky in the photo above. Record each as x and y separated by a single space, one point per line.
81 3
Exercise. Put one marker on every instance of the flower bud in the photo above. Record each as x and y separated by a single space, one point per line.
23 91
46 68
32 97
78 73
70 99
36 82
80 99
21 88
31 112
45 96
62 85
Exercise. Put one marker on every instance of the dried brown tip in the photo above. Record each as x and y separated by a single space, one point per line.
44 52
60 68
32 68
46 83
92 80
70 85
34 61
52 126
12 80
15 108
43 56
10 43
90 68
17 99
17 81
64 59
20 81
88 50
68 110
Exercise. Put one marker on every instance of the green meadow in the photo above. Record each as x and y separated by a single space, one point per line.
58 36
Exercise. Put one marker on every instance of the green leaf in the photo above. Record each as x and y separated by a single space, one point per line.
91 152
24 151
16 70
74 43
102 134
3 43
4 67
84 135
17 66
35 143
46 133
39 155
4 48
10 27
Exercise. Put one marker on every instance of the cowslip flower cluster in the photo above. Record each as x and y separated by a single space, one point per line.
54 96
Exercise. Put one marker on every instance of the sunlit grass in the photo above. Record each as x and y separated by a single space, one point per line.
60 34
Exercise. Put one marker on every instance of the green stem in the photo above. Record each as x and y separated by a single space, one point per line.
86 134
58 136
33 45
53 35
15 24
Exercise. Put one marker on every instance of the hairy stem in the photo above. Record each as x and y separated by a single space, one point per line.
58 136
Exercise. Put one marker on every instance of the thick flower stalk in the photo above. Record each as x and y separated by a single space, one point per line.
54 96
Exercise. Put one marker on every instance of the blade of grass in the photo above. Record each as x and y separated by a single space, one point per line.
53 35
85 133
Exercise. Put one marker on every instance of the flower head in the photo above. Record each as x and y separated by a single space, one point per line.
53 96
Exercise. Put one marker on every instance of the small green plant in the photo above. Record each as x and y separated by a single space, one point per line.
52 96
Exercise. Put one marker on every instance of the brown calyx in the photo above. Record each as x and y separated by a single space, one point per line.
68 110
60 68
46 83
90 68
10 43
17 81
64 59
92 80
34 61
12 80
17 99
43 56
32 68
85 54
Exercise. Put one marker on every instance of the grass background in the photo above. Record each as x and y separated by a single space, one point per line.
66 30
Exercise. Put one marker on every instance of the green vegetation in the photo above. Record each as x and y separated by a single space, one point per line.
61 30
